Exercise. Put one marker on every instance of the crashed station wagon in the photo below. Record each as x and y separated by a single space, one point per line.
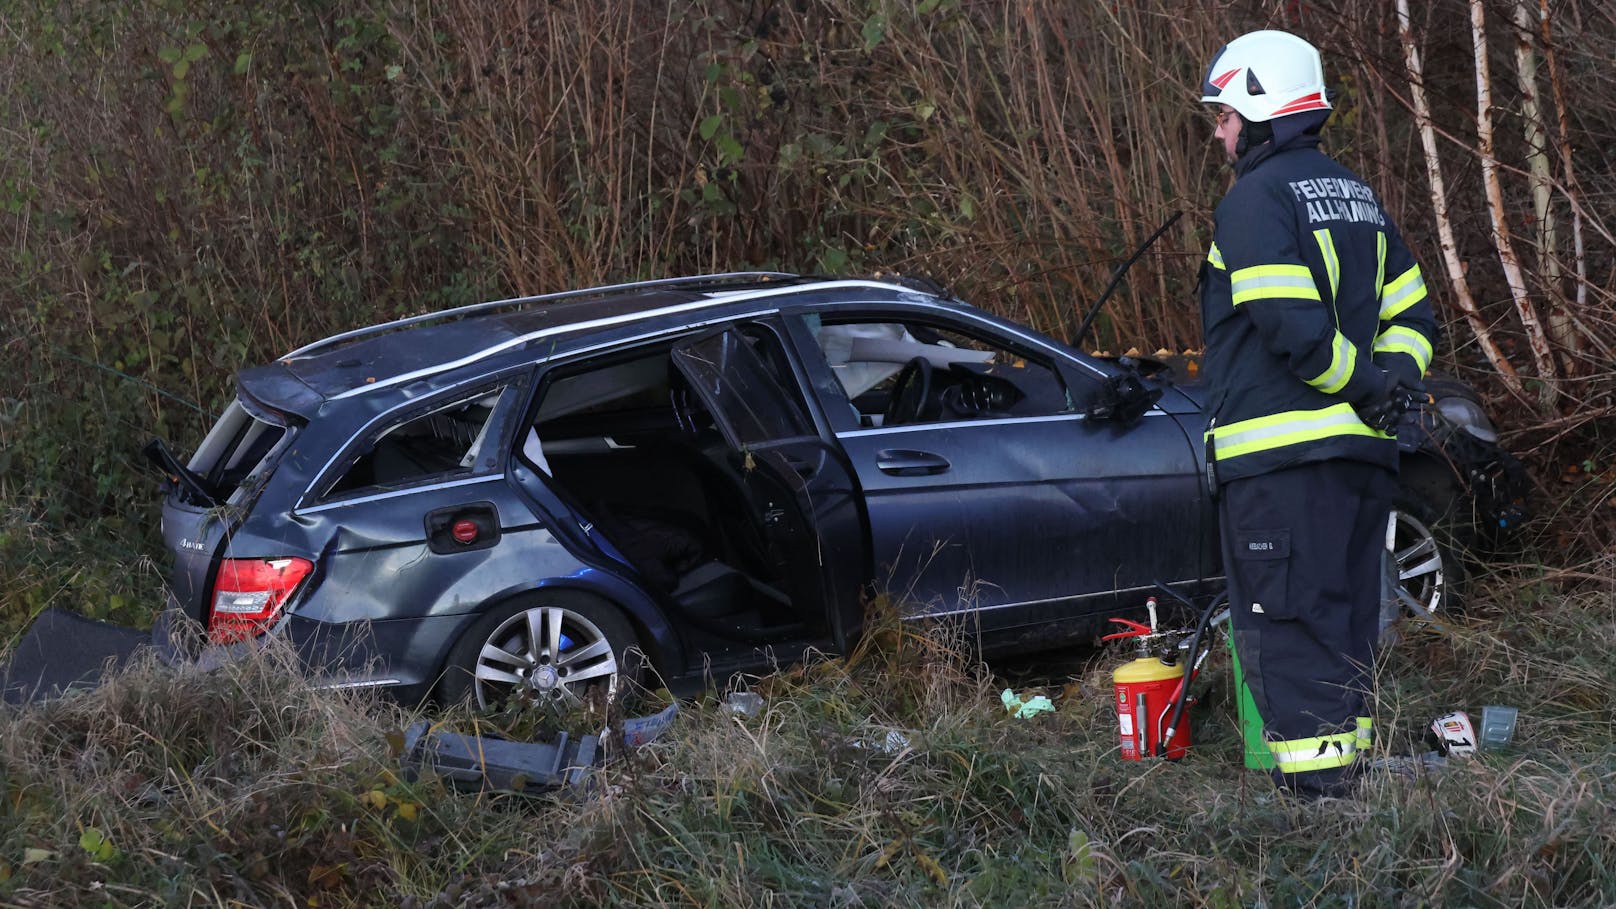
538 496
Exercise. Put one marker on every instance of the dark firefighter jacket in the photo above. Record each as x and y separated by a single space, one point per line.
1309 300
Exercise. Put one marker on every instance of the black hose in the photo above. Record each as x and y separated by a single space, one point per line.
1189 666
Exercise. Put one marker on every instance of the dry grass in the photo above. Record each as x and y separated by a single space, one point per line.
246 787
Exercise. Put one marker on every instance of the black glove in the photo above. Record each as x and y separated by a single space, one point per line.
1385 412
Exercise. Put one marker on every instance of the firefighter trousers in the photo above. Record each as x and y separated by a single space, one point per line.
1302 549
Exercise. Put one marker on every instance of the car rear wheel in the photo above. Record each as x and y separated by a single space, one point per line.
560 651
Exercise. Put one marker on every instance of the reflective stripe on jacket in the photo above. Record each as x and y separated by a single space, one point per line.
1309 298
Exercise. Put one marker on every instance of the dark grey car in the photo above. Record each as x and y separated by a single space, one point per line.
714 472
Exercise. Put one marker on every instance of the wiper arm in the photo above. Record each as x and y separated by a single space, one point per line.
157 452
1116 278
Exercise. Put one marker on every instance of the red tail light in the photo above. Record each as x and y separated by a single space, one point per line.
248 594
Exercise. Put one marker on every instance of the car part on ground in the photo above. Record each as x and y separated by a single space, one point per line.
61 652
490 762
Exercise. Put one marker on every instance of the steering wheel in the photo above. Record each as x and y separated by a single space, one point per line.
910 392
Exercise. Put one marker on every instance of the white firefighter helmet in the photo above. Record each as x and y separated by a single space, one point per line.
1265 75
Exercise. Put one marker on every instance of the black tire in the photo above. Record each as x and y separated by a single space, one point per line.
496 657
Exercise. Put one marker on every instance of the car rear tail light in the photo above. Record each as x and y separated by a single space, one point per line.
248 594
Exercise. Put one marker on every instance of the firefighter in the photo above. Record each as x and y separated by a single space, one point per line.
1317 333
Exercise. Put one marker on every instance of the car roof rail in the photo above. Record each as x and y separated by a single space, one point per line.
726 281
782 290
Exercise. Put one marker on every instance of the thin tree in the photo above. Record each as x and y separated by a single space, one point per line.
1537 340
1439 206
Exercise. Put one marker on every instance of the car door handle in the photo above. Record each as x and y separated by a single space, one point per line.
904 462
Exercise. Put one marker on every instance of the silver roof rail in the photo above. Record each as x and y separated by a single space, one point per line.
692 282
605 321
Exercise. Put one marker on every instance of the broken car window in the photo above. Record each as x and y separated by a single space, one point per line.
966 377
450 441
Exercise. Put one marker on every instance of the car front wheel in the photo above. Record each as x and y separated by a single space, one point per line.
554 650
1420 568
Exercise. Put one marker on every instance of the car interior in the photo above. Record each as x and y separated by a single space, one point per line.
443 442
898 374
629 442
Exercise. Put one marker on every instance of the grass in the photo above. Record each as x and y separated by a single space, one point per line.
246 787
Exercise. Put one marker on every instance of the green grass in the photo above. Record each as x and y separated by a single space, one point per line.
245 787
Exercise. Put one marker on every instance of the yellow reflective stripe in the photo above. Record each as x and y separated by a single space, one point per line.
1289 428
1343 357
1263 282
1332 262
1215 256
1365 733
1405 290
1320 753
1398 339
1380 263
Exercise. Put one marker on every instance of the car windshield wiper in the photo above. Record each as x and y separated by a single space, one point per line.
1116 279
157 452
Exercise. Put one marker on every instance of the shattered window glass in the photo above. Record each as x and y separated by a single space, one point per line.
446 443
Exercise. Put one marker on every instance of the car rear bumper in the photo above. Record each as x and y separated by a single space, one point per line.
404 656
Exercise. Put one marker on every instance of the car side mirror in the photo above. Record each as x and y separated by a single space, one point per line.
1124 398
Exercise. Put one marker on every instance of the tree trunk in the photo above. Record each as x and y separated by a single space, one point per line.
1542 355
1563 134
1439 206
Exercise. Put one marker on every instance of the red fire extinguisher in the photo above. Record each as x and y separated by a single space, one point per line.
1146 688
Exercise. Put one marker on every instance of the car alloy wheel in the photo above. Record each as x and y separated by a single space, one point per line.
547 654
1416 566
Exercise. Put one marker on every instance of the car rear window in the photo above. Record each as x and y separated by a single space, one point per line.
238 451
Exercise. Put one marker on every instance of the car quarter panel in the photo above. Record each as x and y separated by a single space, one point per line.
379 564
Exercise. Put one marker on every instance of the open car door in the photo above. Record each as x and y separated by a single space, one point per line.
803 495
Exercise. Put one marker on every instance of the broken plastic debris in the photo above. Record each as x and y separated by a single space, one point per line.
893 741
1455 736
1497 726
486 762
744 703
641 730
1026 709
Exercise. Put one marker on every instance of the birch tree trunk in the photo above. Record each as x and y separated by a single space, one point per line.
1563 133
1542 355
1439 206
1537 155
1561 328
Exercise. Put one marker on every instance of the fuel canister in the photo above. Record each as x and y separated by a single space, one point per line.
1144 692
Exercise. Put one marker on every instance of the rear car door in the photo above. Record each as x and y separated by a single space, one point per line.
810 505
1025 513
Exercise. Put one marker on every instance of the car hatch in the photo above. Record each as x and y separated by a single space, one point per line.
207 498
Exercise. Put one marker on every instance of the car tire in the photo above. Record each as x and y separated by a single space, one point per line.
597 657
1422 562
